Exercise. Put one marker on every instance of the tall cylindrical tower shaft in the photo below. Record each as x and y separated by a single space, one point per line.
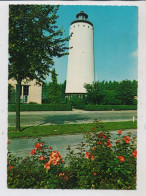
81 55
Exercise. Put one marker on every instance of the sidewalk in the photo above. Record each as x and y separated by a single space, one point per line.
22 147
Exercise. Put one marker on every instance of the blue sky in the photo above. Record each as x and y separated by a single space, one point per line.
115 40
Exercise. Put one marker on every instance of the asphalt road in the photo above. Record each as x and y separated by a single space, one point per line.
69 117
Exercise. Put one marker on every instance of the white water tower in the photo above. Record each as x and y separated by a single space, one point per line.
81 55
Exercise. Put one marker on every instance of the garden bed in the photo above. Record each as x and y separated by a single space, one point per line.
106 164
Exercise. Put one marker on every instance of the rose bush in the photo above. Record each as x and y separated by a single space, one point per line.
39 170
113 165
101 163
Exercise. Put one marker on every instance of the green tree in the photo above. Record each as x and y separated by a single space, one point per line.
127 92
112 93
62 87
34 39
110 98
53 89
95 92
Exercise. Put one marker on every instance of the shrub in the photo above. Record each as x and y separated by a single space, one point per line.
76 102
40 107
100 163
39 170
109 107
32 102
105 164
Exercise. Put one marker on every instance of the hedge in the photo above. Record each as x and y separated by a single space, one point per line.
109 107
40 107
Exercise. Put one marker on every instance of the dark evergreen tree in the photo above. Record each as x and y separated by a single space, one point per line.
54 94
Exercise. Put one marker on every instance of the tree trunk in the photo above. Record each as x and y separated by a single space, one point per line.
18 91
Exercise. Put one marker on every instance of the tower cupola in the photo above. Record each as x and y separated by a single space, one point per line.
81 16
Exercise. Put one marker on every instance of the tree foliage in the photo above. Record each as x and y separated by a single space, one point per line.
112 93
53 92
34 39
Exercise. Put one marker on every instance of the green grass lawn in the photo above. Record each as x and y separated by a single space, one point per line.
50 130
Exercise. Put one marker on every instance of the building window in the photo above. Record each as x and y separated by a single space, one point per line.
26 90
25 94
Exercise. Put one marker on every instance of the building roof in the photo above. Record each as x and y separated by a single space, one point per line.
82 17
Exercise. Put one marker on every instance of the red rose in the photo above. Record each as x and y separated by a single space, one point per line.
87 155
47 166
92 157
51 147
11 167
110 145
94 149
134 153
32 151
119 132
100 134
40 148
93 128
122 159
104 137
127 139
42 158
66 178
95 173
108 142
62 161
37 145
61 174
8 142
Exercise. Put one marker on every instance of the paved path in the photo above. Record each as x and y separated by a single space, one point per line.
22 147
69 117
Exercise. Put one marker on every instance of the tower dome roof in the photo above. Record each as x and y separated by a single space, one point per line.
82 17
